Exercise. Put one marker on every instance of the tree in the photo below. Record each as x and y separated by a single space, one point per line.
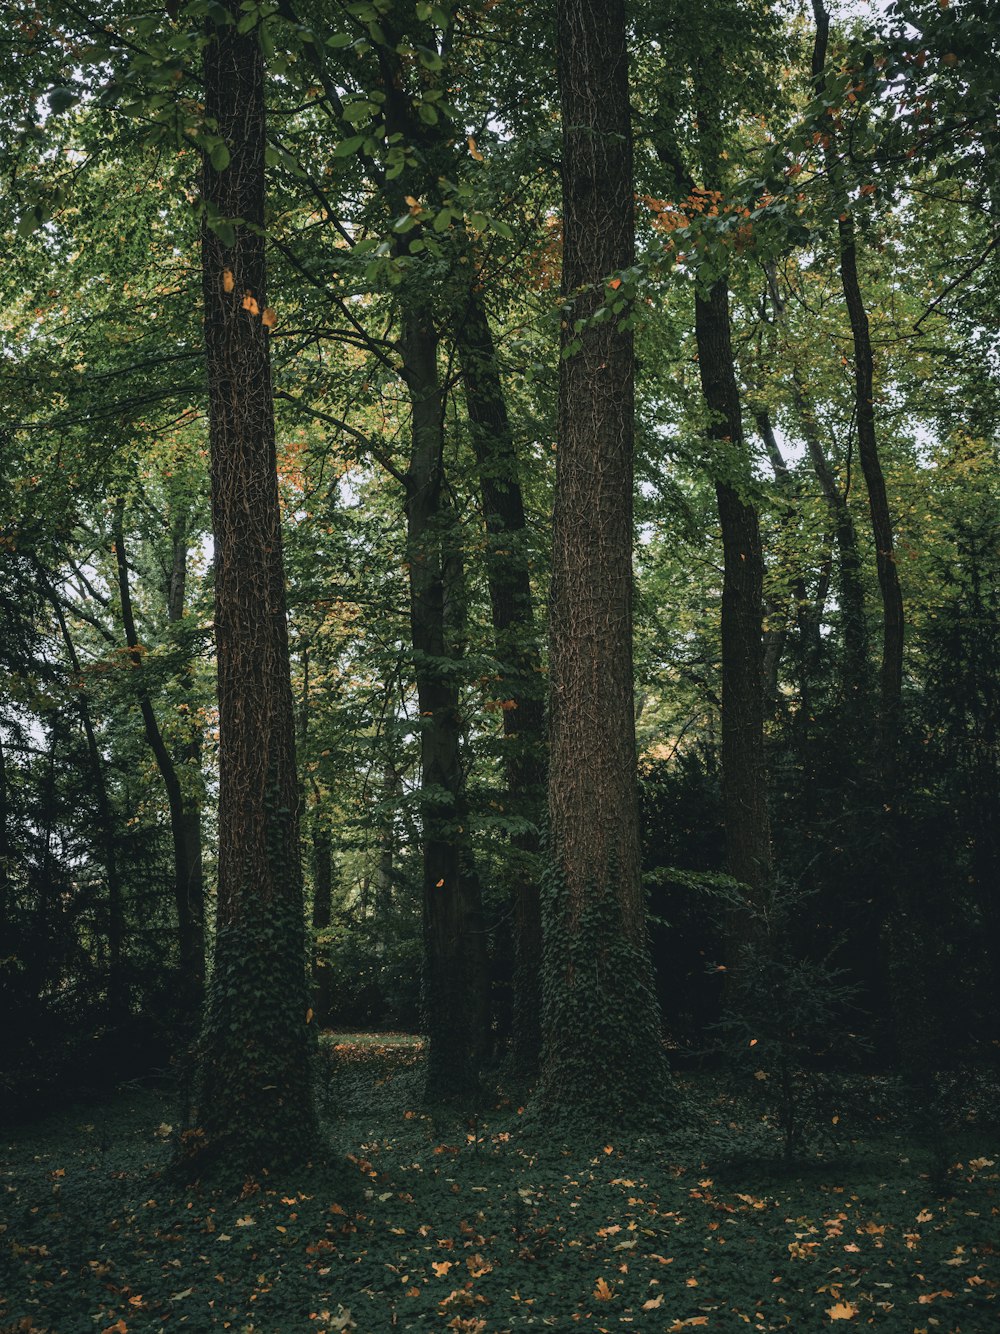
255 1094
601 1045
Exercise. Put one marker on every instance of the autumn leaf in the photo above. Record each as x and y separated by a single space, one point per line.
250 304
309 1015
842 1311
654 1303
924 1216
602 1292
441 1267
473 150
269 319
228 281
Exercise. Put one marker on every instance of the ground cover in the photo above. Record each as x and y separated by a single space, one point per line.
501 1223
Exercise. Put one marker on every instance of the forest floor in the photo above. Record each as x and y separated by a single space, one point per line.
496 1224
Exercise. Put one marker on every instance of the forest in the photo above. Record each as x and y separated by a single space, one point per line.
500 646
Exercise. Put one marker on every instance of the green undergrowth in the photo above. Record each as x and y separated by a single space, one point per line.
488 1223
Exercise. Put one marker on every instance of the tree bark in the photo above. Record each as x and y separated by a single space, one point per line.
118 990
598 997
744 769
185 817
893 619
256 1103
456 1000
509 581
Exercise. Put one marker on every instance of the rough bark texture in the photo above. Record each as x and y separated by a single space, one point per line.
456 1000
185 816
509 580
596 972
255 1100
744 770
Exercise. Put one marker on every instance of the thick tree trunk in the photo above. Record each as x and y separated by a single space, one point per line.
185 818
601 1044
509 581
456 1001
744 769
256 1103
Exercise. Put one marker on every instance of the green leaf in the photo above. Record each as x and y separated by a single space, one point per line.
219 156
61 99
347 147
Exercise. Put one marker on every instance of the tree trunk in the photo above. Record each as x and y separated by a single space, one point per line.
851 588
601 1041
256 1103
509 581
118 992
893 623
185 818
456 1001
744 769
322 859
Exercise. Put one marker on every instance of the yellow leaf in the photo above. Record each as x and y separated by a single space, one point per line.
924 1216
654 1303
473 149
602 1292
309 1015
269 319
842 1311
228 281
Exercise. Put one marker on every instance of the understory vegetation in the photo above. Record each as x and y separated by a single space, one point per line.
491 1222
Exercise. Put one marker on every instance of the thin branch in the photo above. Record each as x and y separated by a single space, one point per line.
376 450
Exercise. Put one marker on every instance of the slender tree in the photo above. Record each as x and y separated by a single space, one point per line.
185 813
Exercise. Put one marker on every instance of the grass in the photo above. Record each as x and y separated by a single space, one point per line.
494 1224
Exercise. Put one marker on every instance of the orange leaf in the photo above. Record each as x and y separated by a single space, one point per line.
309 1015
614 284
269 319
842 1311
602 1292
441 1267
250 304
228 281
654 1303
474 150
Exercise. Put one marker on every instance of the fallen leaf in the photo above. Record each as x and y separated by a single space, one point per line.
441 1267
602 1292
842 1311
654 1303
